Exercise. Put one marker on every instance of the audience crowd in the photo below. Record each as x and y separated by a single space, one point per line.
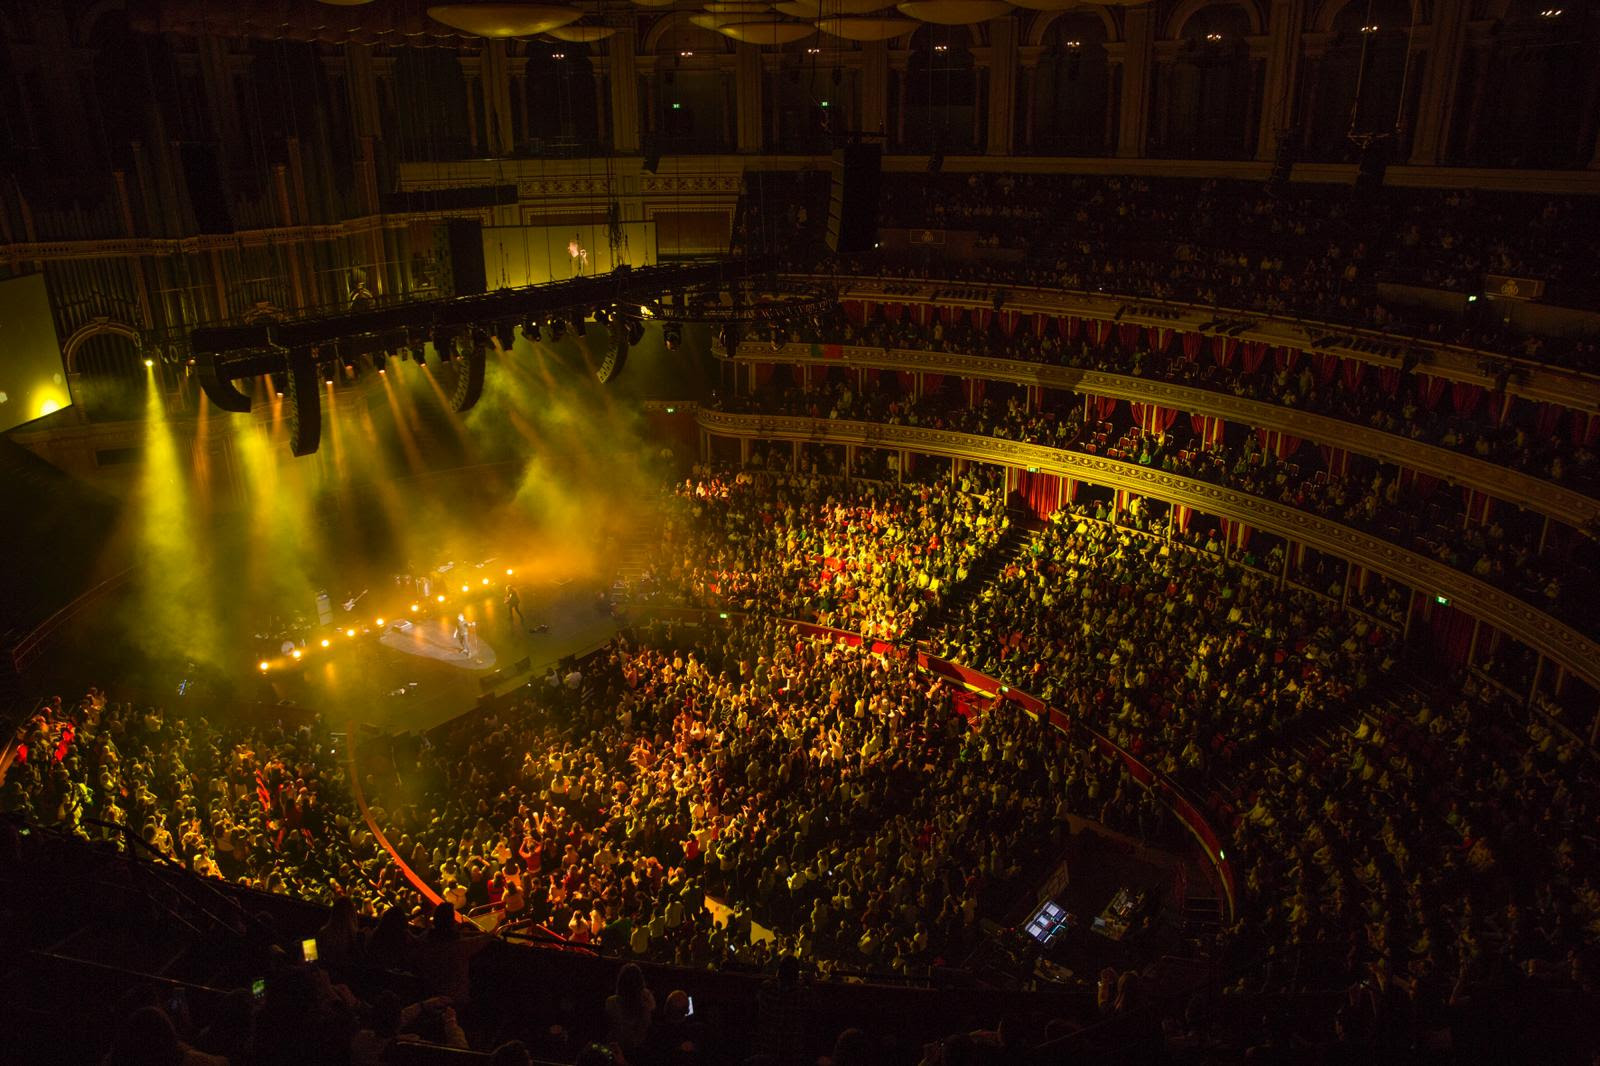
1511 549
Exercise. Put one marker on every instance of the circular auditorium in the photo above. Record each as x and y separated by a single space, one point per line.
799 532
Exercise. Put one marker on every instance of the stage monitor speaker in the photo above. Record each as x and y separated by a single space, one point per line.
522 665
489 681
304 401
853 201
208 194
467 271
469 379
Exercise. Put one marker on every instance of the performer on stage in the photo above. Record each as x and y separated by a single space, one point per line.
514 607
463 635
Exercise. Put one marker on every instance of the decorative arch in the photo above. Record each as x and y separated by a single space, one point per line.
94 328
679 20
1331 9
88 20
1041 25
1189 8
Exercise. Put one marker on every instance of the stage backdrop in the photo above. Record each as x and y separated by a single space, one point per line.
33 382
532 255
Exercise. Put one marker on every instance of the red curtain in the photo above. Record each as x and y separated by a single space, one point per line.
1252 353
1354 371
1325 365
1430 389
763 372
1278 443
1465 397
1181 516
1041 492
977 391
1099 331
1207 427
1223 350
1008 322
981 317
931 383
1070 327
855 311
1236 533
1424 484
1337 460
1479 505
1192 342
893 312
1128 336
1102 406
1389 380
908 380
1159 338
923 314
1585 428
1286 358
1449 630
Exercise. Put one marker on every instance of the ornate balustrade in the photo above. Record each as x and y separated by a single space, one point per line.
1534 381
1576 652
1525 490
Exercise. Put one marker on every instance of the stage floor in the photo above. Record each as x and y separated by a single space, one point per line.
412 674
406 677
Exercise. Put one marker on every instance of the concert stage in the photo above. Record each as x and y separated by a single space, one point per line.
410 674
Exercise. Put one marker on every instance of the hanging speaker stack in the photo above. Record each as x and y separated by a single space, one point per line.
304 401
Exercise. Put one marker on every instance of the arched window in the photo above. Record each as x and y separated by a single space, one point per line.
815 93
559 101
941 91
690 103
111 379
430 106
1208 93
1070 87
1522 97
1367 52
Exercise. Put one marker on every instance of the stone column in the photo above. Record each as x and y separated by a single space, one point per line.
624 90
1283 67
365 115
1133 128
875 87
496 71
1003 65
747 96
1441 72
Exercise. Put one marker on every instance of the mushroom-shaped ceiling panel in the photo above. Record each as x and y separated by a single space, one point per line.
867 29
582 34
504 20
771 33
954 12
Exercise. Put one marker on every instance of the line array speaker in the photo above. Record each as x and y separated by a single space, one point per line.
219 389
616 355
304 401
853 200
469 379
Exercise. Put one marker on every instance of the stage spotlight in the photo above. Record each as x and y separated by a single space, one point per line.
557 328
326 642
466 588
148 363
506 334
440 597
530 330
295 654
265 666
672 333
328 373
349 632
508 571
380 623
413 607
485 581
280 383
635 331
602 316
575 322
